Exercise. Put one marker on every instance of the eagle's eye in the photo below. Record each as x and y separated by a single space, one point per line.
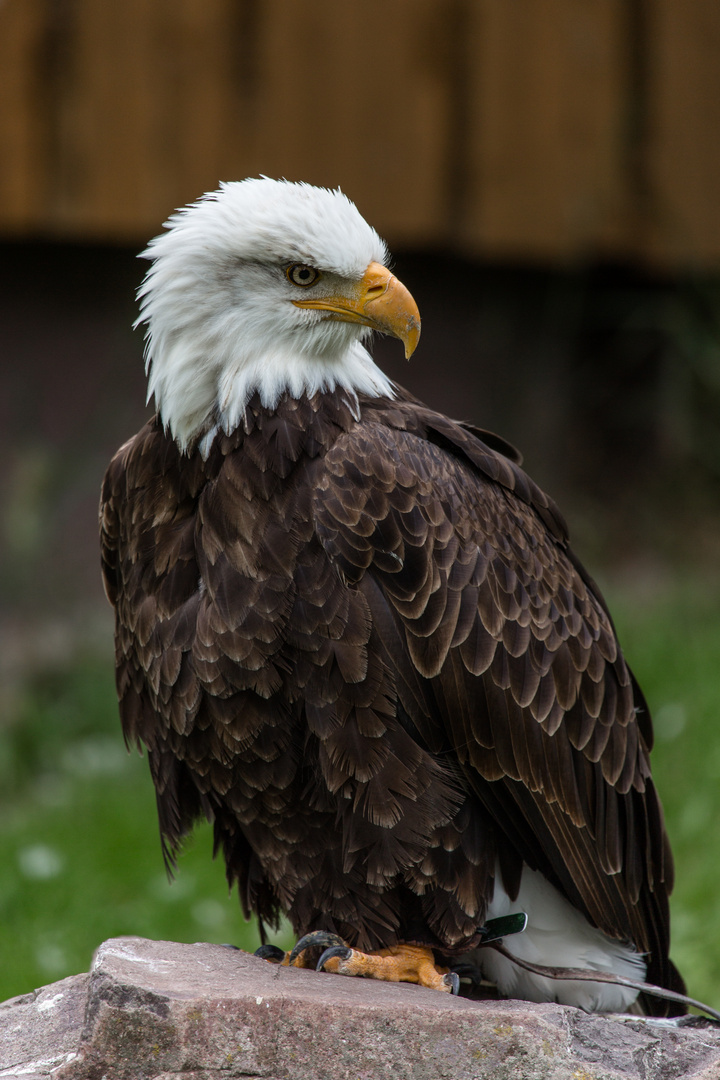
302 275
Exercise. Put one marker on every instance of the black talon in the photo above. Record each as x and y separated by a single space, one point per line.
470 972
270 952
317 939
452 979
337 950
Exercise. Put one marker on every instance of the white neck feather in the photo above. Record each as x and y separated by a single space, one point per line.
198 394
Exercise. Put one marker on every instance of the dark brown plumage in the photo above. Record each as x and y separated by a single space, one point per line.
362 646
351 631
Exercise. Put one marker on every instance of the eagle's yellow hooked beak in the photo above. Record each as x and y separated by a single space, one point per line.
378 300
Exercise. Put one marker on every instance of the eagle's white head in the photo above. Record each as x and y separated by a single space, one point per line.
265 286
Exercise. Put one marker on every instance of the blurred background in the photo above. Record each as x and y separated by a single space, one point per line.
547 174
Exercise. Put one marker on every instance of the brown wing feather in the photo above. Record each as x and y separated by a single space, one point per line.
525 680
366 651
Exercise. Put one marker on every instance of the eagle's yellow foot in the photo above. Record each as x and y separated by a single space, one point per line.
399 963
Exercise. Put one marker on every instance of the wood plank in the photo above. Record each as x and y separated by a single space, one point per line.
545 160
139 113
682 165
23 136
154 104
358 97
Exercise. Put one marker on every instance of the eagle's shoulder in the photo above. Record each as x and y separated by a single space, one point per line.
407 467
443 443
113 494
149 488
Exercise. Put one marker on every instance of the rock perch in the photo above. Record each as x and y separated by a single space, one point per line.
164 1011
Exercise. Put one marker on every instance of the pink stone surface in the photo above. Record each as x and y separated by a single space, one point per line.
166 1011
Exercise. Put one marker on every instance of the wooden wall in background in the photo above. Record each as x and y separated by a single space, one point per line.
553 130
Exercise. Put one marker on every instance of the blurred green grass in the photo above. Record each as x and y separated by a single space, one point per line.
79 843
672 641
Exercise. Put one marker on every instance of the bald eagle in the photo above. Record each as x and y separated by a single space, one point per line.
351 632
